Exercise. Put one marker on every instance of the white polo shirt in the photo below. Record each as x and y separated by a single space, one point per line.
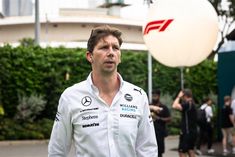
124 129
209 112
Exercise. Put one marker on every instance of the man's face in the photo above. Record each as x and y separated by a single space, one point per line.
155 99
106 55
209 102
186 98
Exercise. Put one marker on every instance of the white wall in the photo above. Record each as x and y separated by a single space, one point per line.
1 11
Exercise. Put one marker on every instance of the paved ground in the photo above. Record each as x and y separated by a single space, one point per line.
39 149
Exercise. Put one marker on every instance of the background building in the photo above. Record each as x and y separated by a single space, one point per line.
67 22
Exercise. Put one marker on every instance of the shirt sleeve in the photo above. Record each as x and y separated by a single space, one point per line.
209 112
61 135
146 144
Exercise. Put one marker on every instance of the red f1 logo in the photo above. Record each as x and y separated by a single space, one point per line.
159 25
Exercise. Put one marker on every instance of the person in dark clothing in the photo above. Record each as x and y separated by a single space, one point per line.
161 117
184 103
206 128
227 124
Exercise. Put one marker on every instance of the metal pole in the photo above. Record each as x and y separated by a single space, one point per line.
182 77
150 83
37 23
150 77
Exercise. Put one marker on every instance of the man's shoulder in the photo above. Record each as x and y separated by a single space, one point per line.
203 106
188 106
76 87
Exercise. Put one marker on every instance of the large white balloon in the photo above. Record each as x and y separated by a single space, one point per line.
181 32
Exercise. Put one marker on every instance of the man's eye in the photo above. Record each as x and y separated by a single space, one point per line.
116 48
104 47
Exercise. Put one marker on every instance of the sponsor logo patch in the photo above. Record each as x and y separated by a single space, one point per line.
128 97
128 108
158 25
89 117
89 109
138 90
90 125
86 101
128 116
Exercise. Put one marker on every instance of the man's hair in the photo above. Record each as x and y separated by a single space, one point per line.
227 98
206 99
188 93
156 92
100 32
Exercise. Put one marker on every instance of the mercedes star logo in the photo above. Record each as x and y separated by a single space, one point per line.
86 101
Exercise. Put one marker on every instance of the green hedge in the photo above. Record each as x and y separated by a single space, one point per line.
15 130
25 70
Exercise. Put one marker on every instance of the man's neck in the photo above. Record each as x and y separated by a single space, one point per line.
108 86
106 83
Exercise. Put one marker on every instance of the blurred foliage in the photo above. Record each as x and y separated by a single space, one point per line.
174 125
15 130
1 110
27 42
28 70
202 79
29 107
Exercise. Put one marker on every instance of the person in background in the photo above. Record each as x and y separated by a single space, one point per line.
232 138
104 115
161 117
227 124
185 104
206 129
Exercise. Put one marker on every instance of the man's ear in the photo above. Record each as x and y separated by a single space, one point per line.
89 56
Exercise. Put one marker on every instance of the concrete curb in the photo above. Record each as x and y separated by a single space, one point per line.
172 137
23 142
28 142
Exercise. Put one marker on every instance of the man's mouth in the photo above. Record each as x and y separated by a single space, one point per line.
109 62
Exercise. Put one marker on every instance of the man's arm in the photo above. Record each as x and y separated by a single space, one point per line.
146 144
155 110
61 135
176 104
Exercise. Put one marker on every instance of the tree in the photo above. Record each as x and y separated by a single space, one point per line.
226 13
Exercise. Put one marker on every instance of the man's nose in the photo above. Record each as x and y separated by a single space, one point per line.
110 52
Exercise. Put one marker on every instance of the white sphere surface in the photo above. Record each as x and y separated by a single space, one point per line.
181 32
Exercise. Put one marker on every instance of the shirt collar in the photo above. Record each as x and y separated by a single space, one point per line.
94 88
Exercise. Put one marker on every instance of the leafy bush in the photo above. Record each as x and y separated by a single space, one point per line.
14 130
29 107
173 126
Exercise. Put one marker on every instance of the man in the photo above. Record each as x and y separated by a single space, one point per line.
227 125
161 117
206 128
104 115
188 122
232 138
